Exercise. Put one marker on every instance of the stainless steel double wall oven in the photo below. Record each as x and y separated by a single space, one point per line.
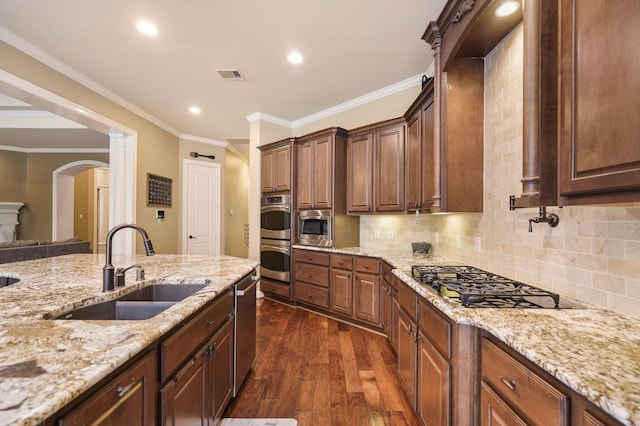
275 238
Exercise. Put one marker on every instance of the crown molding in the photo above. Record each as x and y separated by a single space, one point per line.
361 100
200 139
55 150
269 118
40 55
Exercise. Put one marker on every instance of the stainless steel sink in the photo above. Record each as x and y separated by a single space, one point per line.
163 292
140 304
117 310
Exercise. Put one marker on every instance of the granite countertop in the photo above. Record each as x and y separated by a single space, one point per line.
594 351
44 363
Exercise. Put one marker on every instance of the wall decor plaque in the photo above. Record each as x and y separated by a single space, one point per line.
158 190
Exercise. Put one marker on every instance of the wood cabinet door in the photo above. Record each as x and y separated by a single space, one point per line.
282 169
268 170
388 181
323 173
406 335
220 371
413 163
367 298
428 181
360 173
386 305
130 399
599 103
305 175
434 385
341 292
494 411
183 400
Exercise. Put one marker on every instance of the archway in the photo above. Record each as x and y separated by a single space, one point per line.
62 210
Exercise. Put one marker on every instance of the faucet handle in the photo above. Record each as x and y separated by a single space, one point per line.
119 277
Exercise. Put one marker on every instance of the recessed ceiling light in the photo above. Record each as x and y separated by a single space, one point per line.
147 28
294 58
194 110
507 8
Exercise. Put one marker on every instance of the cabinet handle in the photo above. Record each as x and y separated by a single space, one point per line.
122 391
185 368
511 384
410 329
309 296
366 266
210 322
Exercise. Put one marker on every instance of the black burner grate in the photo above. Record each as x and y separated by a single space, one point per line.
473 287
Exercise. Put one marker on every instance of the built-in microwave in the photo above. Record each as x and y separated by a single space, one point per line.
314 228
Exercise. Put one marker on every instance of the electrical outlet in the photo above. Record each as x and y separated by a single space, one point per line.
391 235
478 244
458 241
376 234
436 238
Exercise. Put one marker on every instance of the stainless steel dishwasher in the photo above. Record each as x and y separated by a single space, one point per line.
244 330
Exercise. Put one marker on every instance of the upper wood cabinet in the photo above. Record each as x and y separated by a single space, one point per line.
598 102
321 163
419 162
464 33
375 168
360 173
540 96
276 166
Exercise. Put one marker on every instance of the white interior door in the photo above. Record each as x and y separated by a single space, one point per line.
201 224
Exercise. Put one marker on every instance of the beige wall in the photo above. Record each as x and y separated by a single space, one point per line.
13 173
36 216
82 203
236 199
157 149
594 253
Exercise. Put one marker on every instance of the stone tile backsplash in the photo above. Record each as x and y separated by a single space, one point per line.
593 255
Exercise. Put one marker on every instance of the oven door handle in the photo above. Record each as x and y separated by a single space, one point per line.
275 248
267 209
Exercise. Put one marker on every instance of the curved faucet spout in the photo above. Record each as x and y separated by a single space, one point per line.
108 281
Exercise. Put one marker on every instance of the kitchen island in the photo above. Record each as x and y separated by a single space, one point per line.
593 351
45 364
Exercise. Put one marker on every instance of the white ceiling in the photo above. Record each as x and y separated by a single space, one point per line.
350 48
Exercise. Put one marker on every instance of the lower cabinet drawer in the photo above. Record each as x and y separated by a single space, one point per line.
274 287
314 274
436 327
311 294
523 389
177 347
129 399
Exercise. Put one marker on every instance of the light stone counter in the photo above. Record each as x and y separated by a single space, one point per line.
593 351
44 363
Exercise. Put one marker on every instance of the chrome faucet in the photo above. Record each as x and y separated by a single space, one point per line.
108 272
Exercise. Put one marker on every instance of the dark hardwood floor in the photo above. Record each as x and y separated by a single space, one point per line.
320 372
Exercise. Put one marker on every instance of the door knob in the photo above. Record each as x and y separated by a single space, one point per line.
191 237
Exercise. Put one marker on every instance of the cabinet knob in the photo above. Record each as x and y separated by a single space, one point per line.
309 296
366 266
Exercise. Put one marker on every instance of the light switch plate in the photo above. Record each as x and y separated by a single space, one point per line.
458 241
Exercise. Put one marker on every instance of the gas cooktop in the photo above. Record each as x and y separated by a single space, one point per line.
474 288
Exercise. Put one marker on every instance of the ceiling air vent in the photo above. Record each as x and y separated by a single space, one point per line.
231 74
